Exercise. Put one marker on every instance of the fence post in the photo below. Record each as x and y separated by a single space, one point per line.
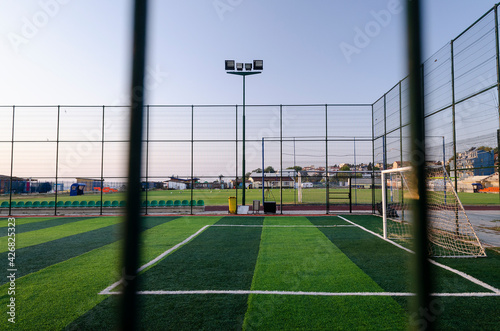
57 158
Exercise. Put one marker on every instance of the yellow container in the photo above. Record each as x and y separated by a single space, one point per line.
232 205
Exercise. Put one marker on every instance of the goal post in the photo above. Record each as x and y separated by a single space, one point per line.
450 231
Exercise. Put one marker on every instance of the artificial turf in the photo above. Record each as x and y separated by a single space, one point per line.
59 289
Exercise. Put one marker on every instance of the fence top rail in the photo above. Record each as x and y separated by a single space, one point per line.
196 105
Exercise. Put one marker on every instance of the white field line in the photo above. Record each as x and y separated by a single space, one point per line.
283 226
455 271
108 289
300 293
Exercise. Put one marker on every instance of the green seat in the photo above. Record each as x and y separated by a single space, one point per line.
123 203
161 203
115 203
91 203
192 203
107 203
28 204
45 204
60 203
52 204
145 203
20 204
201 203
83 203
5 204
170 203
98 203
36 204
75 204
154 203
13 204
67 204
177 203
185 203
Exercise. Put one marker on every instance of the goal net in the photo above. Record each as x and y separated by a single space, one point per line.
450 232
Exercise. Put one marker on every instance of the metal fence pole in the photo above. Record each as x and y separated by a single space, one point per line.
423 278
57 158
327 183
133 218
453 120
236 161
102 158
12 159
147 157
497 48
192 159
281 159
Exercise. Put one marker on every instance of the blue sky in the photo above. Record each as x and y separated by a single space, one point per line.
75 52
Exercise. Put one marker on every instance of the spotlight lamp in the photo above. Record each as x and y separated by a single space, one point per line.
258 64
239 66
248 66
229 64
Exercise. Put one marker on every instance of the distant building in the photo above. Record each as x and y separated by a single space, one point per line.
91 184
272 180
475 162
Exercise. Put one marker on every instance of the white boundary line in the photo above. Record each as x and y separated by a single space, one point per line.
496 292
108 289
300 293
283 226
460 273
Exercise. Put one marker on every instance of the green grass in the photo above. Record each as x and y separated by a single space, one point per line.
62 269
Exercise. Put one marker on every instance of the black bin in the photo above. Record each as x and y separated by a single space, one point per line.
270 207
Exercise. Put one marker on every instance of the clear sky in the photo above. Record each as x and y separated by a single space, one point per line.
75 52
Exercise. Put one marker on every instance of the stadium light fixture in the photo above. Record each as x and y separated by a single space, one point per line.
258 66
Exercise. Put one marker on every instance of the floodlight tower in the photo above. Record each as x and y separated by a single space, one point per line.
231 66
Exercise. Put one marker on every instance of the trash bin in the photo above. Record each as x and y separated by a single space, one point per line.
232 205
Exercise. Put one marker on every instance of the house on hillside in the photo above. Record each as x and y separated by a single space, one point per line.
272 180
475 162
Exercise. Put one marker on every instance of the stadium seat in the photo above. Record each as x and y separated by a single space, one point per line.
123 203
115 203
185 203
60 203
52 204
67 204
161 203
28 204
5 204
98 203
91 203
201 203
154 203
177 203
45 204
13 204
170 203
36 204
20 204
75 204
193 203
107 203
83 203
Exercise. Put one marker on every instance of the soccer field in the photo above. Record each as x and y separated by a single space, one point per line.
218 273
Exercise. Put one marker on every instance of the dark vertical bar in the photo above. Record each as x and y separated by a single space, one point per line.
12 159
133 218
147 156
192 159
281 159
350 195
57 158
327 179
102 159
401 144
423 278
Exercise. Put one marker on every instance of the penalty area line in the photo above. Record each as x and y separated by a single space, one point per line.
283 226
455 271
300 293
108 289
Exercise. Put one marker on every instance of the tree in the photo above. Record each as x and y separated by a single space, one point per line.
345 167
258 170
269 169
296 168
247 175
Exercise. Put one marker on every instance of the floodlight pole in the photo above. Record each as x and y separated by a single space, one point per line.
244 74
